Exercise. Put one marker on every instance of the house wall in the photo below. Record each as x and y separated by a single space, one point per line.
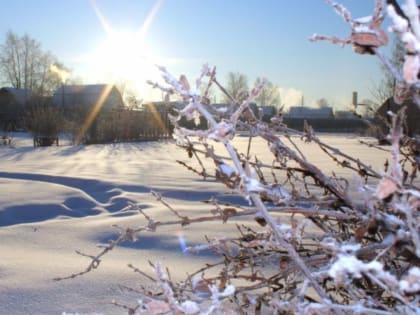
327 124
12 108
412 122
114 99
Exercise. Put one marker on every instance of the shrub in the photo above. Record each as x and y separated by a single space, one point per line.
363 257
44 120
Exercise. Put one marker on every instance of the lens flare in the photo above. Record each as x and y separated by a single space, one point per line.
93 113
124 55
107 28
157 118
182 241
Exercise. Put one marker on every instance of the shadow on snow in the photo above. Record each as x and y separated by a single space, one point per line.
95 197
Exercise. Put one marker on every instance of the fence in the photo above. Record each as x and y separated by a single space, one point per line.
129 125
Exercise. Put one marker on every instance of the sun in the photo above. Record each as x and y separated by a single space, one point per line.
124 56
120 50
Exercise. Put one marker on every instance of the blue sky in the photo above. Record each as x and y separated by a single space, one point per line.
260 38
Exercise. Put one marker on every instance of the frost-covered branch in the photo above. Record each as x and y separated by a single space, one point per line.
367 36
308 241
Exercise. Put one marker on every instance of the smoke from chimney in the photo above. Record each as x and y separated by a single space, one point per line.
62 74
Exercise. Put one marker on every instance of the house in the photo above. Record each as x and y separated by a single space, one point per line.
345 114
15 96
12 104
411 125
224 107
86 106
309 112
268 111
92 95
165 106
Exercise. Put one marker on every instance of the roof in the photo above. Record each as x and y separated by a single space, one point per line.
161 104
82 88
70 95
309 112
21 96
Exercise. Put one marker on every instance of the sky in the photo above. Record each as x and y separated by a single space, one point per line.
107 41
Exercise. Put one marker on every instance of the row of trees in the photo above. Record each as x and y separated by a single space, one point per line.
386 87
24 64
237 87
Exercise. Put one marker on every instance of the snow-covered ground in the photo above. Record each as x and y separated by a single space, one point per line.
56 200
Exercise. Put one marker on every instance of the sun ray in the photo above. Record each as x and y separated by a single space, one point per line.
107 28
93 113
157 118
148 21
123 54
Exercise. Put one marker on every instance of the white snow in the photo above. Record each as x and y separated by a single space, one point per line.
399 23
350 265
227 170
56 200
364 19
411 283
190 307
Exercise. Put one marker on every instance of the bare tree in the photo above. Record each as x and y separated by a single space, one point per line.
236 86
269 95
367 107
131 100
24 65
385 88
210 93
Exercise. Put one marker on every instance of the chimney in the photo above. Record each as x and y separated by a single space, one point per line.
355 99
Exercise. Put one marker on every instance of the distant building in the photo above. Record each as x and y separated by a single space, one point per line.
224 107
309 112
106 95
266 111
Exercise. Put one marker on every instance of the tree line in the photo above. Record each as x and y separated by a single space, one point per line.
24 64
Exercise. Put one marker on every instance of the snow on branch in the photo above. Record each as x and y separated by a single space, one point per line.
308 240
367 36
